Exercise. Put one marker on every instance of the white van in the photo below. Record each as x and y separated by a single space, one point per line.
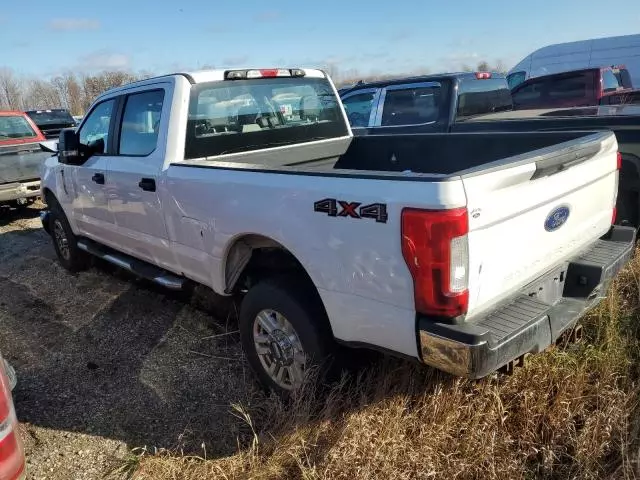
598 52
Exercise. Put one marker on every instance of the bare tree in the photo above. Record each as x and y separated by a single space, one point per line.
41 94
332 70
10 91
483 67
500 68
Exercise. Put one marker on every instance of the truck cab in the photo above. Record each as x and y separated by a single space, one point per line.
428 103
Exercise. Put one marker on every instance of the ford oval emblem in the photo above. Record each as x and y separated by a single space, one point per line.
556 218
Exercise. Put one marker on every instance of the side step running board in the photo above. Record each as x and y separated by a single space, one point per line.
133 265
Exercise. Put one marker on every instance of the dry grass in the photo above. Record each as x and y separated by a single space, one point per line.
571 413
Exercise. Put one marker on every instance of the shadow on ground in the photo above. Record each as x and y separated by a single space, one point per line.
104 354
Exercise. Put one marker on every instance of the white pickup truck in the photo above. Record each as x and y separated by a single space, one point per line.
465 251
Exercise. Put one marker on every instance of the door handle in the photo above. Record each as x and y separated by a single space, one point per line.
147 184
98 178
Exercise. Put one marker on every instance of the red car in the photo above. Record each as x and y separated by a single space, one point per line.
577 88
22 158
12 459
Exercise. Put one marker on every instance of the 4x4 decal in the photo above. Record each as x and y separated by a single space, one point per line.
342 208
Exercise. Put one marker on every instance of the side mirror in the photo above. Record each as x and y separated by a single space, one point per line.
49 146
69 147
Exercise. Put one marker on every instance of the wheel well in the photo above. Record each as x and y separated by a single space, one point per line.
48 197
254 257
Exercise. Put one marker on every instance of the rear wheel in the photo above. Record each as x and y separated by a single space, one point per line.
284 334
65 242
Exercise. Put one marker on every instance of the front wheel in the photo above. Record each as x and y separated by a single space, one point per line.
65 242
284 334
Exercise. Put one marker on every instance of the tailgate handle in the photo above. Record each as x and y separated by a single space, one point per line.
550 166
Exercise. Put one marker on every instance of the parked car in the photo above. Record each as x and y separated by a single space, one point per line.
577 88
52 121
463 251
621 50
12 458
21 159
481 102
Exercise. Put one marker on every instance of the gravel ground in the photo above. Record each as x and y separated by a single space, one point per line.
107 363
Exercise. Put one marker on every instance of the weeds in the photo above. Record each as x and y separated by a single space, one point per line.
573 412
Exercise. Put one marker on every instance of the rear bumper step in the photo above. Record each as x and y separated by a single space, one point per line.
526 324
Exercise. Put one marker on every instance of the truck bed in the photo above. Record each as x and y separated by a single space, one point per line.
455 154
436 155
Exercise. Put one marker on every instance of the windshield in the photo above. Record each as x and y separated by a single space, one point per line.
15 126
242 115
43 117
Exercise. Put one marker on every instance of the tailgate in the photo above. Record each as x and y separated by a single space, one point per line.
21 162
528 217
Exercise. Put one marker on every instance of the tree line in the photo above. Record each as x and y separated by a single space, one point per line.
73 91
76 91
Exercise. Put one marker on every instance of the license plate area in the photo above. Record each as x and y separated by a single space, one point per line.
549 288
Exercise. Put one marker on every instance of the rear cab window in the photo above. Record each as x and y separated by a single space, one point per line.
562 90
243 115
482 96
15 128
51 117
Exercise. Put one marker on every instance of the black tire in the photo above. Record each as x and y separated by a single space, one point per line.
300 305
65 242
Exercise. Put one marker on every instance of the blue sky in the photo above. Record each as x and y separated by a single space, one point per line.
384 36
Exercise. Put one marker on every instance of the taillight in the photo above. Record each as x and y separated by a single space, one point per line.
483 75
12 461
619 161
436 250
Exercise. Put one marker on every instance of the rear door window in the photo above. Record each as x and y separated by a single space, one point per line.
412 105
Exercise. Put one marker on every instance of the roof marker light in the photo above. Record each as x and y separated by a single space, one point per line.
263 73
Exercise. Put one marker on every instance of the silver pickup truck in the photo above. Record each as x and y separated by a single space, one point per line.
21 159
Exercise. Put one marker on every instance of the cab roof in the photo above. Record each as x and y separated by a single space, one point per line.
418 78
200 76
